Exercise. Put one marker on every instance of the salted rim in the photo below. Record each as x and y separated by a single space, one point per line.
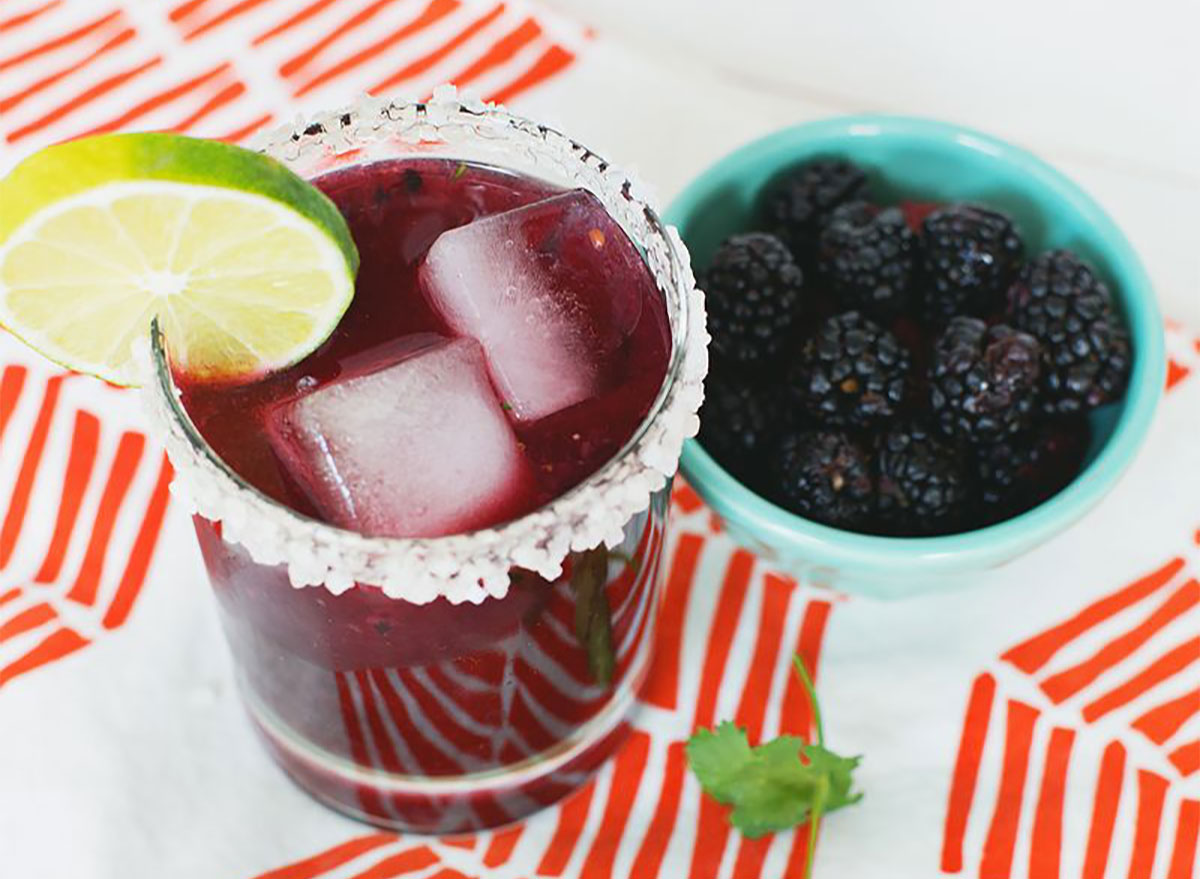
463 567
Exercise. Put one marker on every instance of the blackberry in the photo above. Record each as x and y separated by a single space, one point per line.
1020 472
983 384
1085 346
795 204
851 373
969 256
867 253
921 481
753 290
741 422
825 476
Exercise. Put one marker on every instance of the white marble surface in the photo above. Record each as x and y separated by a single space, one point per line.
1108 92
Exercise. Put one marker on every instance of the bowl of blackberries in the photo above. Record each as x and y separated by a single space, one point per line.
931 351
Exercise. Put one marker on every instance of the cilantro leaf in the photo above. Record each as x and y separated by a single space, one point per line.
775 790
776 785
771 787
718 758
593 616
839 771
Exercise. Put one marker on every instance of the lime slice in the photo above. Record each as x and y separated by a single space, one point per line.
248 267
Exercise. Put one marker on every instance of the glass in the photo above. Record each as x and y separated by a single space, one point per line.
448 715
443 717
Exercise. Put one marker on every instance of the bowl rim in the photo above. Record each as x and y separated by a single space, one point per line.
736 502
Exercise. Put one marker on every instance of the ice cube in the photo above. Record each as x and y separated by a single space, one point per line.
419 448
549 290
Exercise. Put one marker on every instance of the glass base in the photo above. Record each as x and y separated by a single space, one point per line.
452 804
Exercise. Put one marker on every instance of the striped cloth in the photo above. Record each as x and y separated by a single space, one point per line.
225 68
1045 724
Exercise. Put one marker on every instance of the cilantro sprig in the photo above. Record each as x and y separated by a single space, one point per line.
776 785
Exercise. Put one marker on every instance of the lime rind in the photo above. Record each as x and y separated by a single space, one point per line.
249 267
68 168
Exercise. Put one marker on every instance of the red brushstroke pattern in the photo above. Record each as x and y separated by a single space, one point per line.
104 71
84 511
1121 657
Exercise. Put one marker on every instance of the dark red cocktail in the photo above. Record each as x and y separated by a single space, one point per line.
396 210
477 376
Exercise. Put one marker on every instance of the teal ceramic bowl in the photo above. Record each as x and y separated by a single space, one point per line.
928 161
